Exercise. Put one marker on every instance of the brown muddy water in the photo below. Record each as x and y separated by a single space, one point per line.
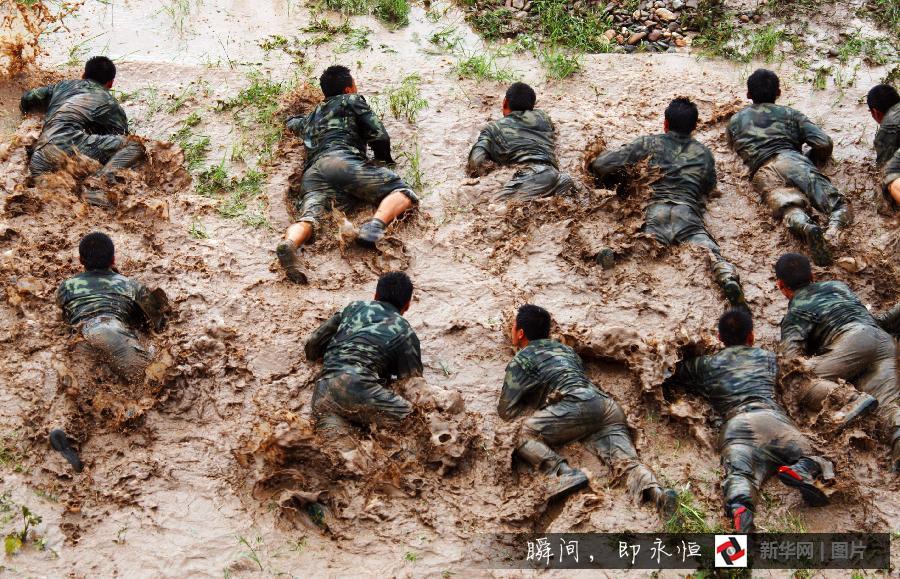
206 477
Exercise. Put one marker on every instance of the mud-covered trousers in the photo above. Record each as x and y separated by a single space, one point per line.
340 178
114 152
753 443
598 421
345 399
867 357
674 223
536 181
116 345
789 183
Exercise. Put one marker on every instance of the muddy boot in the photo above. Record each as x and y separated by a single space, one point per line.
837 221
742 518
60 443
561 478
96 197
734 293
802 476
370 232
818 247
605 258
290 263
665 501
565 481
861 405
318 514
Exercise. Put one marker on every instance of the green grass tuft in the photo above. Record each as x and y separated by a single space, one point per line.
560 64
483 66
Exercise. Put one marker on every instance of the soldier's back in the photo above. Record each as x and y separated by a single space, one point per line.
100 292
760 131
556 366
334 126
523 137
740 375
832 307
82 106
887 139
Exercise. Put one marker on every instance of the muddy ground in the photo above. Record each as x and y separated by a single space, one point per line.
194 481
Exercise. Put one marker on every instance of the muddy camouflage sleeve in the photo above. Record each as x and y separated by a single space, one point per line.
296 124
407 356
796 327
689 373
520 380
609 168
372 130
480 155
317 343
820 143
887 139
36 99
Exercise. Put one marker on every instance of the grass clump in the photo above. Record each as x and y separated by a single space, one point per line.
405 101
763 43
414 175
492 24
195 147
715 25
394 12
254 108
238 198
582 28
690 517
559 64
483 66
884 12
357 7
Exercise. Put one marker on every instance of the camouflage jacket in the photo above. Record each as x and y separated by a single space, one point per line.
75 108
732 378
96 292
687 168
887 145
342 123
369 339
759 132
817 314
540 374
519 137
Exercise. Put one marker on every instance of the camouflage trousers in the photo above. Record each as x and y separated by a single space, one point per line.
890 320
346 399
753 444
598 421
867 357
114 152
789 184
117 345
340 178
536 181
673 223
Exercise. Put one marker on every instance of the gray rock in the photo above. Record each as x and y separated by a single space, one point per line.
654 36
677 4
518 4
692 4
673 26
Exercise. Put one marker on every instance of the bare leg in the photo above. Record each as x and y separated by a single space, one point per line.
392 207
299 233
894 190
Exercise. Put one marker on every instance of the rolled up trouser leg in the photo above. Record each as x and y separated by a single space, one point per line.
46 160
539 455
118 346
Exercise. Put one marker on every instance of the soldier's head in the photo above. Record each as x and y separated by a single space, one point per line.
792 271
736 328
337 80
531 323
519 97
395 288
763 86
96 251
880 99
681 116
100 70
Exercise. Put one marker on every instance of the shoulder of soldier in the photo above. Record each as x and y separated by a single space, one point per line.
891 120
738 118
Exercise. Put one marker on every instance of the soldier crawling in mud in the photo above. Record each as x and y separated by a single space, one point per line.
687 176
106 308
757 439
551 376
364 347
83 117
770 138
827 322
524 136
337 171
884 105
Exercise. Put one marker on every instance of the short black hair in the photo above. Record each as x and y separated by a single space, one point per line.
763 86
394 288
794 270
882 97
735 327
96 251
99 69
682 115
520 97
335 79
534 321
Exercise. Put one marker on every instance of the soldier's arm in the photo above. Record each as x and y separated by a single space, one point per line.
480 157
891 182
887 142
408 357
890 320
796 327
709 178
373 131
820 144
36 99
116 123
295 124
610 168
689 373
318 341
153 304
517 383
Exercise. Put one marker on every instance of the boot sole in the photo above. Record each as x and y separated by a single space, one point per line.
571 488
811 494
289 264
60 443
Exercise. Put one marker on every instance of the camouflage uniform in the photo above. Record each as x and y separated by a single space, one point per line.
757 436
887 146
769 138
687 177
106 306
570 408
335 135
365 346
523 138
825 320
890 320
81 116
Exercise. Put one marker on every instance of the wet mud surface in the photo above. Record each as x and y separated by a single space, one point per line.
209 467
